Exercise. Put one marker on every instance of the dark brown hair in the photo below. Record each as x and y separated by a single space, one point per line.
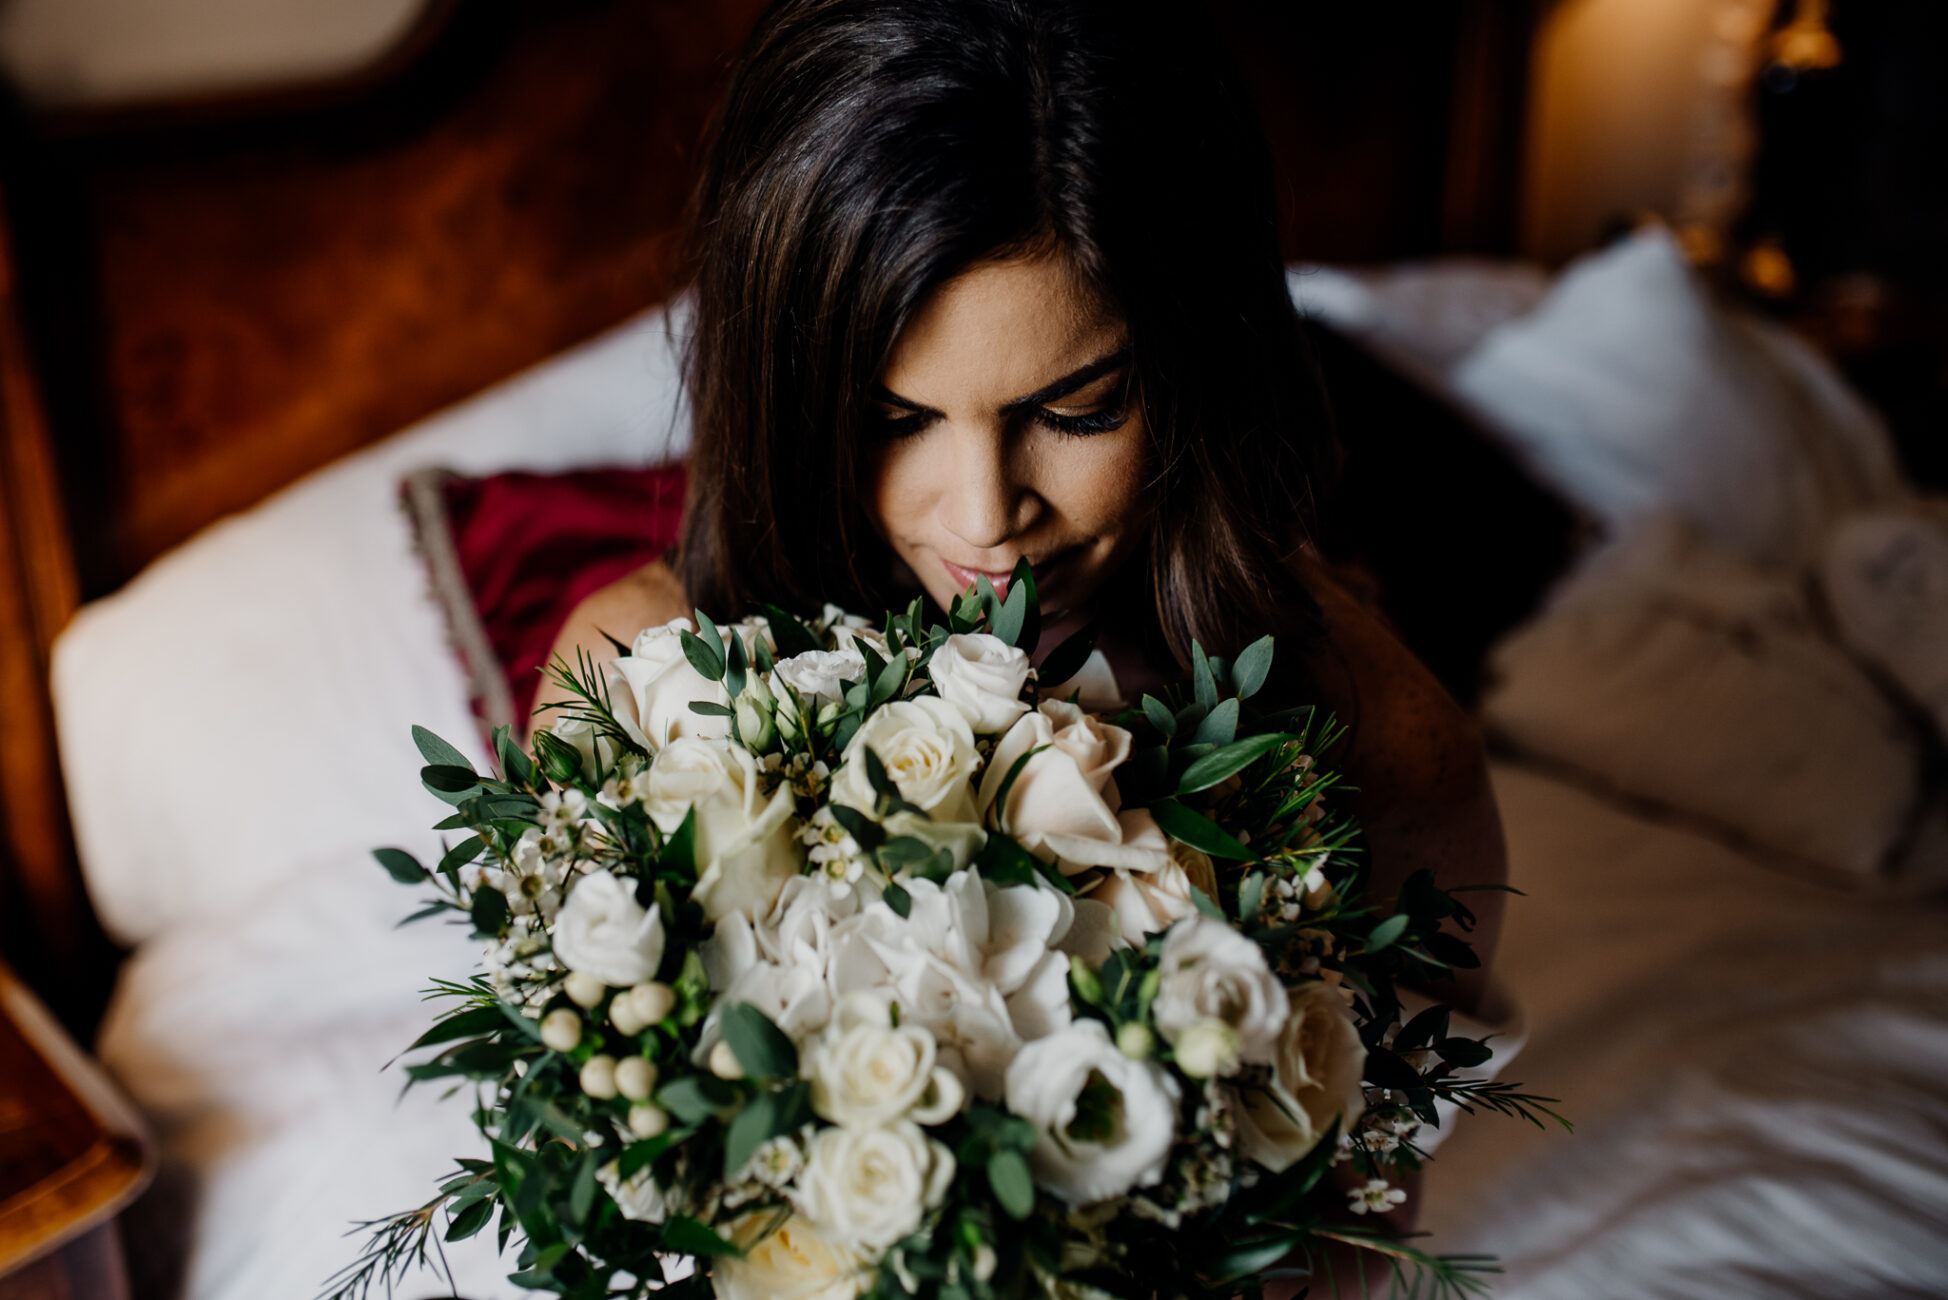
866 152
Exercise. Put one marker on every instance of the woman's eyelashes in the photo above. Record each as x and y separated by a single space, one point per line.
904 424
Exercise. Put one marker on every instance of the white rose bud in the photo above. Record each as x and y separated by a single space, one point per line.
982 676
603 932
647 1121
561 1030
584 990
598 1078
724 1063
1135 1041
1207 1049
635 1078
754 725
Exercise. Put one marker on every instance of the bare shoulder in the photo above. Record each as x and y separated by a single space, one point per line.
648 596
1407 735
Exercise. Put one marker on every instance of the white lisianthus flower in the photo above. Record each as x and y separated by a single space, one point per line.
746 844
605 933
821 676
865 1071
1208 969
1106 1120
982 676
794 1262
927 749
868 1187
1316 1072
653 686
1063 805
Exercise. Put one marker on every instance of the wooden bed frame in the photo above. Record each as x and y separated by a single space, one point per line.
201 301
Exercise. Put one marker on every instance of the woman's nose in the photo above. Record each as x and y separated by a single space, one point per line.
985 503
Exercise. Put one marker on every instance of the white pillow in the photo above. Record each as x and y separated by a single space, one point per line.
1676 673
240 711
1630 391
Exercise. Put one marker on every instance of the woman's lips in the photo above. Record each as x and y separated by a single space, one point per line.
964 577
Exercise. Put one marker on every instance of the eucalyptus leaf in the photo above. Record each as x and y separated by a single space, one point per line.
899 900
1198 831
1226 762
1220 725
1383 935
448 779
1253 666
791 636
1013 1185
489 911
1067 659
400 865
686 1236
702 658
1203 684
760 1046
1160 715
437 752
753 1126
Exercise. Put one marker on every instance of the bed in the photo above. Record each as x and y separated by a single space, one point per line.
1719 770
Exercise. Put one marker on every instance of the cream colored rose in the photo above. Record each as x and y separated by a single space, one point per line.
866 1188
1150 899
982 676
1063 805
1209 970
864 1071
746 844
792 1263
928 751
653 686
1316 1073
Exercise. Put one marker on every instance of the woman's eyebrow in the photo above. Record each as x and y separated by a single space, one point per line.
1069 383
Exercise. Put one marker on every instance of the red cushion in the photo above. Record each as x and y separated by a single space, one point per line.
519 551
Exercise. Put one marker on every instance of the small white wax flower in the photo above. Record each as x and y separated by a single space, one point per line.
598 1077
724 1063
561 1030
584 990
647 1121
1376 1197
1135 1041
635 1077
1208 1048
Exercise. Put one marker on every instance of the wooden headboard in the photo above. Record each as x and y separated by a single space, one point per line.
201 301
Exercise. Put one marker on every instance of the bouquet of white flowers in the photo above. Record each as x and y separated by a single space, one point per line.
829 960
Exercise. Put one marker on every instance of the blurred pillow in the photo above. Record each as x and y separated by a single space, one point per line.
1673 672
511 555
238 713
1630 391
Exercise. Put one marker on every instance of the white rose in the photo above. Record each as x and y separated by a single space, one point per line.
1063 805
653 686
821 676
868 1187
604 932
982 676
1316 1071
865 1071
1106 1121
927 749
793 1262
1210 970
746 844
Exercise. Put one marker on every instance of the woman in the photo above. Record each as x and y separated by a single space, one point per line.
984 280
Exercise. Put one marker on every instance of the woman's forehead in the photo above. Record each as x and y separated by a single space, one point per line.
998 331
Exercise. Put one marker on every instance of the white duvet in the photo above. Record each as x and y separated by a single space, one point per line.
1758 1066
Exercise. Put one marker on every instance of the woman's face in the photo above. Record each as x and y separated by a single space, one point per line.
1011 431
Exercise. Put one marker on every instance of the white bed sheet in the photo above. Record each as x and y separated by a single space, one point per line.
1757 1068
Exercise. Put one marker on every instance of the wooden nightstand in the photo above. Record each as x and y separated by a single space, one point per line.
73 1153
